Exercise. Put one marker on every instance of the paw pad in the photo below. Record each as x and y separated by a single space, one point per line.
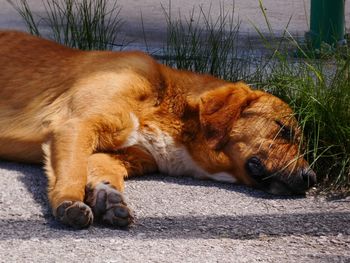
75 214
108 206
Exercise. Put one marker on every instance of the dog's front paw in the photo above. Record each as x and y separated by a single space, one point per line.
75 214
108 205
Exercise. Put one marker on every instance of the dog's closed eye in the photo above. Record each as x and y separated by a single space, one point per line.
285 131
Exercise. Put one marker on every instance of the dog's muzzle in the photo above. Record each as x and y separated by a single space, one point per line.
280 182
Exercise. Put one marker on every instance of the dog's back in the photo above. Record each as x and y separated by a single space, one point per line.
29 79
41 80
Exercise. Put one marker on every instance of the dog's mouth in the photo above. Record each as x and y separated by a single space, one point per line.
277 187
280 183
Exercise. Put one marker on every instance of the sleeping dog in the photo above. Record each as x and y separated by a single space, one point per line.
95 118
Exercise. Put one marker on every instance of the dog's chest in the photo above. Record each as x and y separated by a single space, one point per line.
171 158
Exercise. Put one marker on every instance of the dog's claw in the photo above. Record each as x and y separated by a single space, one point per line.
108 206
75 214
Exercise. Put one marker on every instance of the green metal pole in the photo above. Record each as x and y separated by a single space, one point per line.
327 22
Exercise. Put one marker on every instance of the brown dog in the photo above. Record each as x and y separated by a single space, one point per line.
95 118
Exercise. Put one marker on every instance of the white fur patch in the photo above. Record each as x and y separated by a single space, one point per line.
134 135
171 159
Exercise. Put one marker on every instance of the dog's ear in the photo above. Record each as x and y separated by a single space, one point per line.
219 108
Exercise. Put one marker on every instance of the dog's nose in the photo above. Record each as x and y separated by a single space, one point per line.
309 177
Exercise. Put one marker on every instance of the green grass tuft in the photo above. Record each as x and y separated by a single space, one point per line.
206 44
83 24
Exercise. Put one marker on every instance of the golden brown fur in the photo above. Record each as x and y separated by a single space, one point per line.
94 118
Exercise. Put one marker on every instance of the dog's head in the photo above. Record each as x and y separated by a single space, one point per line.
260 137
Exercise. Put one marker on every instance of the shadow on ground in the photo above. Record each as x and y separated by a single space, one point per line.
34 180
187 227
193 227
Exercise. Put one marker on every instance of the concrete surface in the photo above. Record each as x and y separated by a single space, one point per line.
177 220
247 11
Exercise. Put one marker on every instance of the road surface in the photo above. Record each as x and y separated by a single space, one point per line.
177 220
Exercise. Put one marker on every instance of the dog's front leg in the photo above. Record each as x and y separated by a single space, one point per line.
104 190
67 152
105 183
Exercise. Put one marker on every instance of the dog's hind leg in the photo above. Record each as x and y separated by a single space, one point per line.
106 173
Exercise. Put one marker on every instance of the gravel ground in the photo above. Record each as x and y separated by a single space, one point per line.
177 220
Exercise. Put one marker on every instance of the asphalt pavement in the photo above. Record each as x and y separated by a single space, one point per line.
177 220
